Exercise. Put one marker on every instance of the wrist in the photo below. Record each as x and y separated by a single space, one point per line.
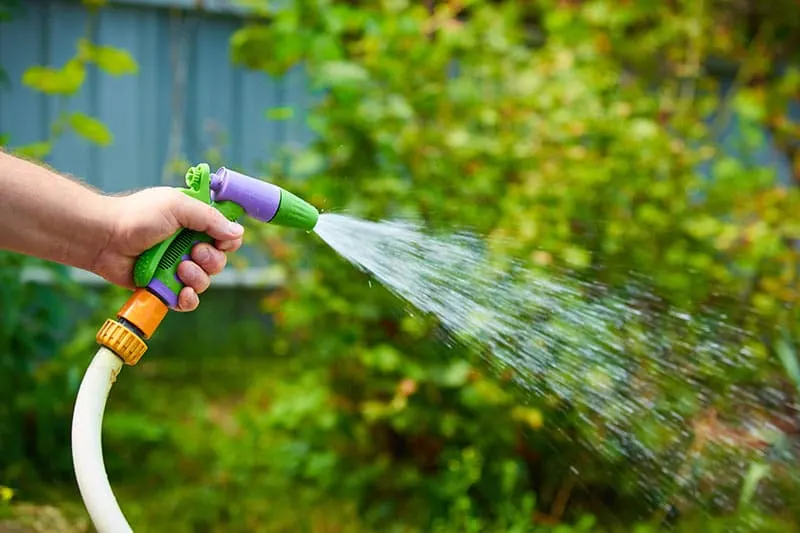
98 225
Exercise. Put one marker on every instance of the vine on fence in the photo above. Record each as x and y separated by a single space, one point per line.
67 80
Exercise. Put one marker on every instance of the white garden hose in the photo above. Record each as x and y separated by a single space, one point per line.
87 449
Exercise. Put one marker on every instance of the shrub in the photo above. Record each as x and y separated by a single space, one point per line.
585 135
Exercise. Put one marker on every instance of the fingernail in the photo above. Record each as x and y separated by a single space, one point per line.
203 253
235 228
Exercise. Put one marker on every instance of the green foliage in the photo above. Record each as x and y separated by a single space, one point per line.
576 135
90 129
67 80
37 389
280 113
37 150
113 61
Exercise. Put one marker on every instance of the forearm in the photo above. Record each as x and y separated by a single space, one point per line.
46 215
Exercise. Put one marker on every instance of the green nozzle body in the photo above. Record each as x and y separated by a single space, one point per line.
294 212
262 200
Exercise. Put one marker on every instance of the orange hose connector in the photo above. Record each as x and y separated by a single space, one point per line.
144 312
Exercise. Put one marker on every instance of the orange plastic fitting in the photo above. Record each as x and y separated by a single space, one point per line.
144 312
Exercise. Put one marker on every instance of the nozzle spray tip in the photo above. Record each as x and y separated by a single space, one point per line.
295 212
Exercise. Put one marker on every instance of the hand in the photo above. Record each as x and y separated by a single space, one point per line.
143 219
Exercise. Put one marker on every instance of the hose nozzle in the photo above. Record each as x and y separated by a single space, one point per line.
262 200
232 194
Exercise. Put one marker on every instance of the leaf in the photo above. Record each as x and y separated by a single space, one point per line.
262 47
788 358
48 80
530 416
38 150
280 113
6 493
577 257
703 226
456 374
342 74
641 128
755 474
90 128
749 104
307 163
114 61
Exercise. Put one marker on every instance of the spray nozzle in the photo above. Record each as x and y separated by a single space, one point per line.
234 195
262 200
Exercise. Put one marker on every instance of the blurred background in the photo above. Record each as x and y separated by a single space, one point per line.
611 137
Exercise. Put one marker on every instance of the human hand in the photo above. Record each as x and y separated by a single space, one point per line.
143 219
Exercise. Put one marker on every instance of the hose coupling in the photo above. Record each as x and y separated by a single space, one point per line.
136 322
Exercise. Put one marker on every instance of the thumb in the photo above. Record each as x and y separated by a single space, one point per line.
196 215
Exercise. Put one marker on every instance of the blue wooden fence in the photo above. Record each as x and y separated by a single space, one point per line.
186 98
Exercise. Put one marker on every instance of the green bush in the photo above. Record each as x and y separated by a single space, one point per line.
37 391
577 134
580 135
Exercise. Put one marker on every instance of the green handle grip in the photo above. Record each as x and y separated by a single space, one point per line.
157 268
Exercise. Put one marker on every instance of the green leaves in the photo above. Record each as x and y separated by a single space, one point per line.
755 474
788 357
68 79
64 81
38 150
280 113
749 103
114 61
341 75
249 44
90 129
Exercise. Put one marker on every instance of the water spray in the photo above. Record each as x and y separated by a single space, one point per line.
123 340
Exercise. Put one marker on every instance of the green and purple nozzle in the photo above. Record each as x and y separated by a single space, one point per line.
262 200
234 195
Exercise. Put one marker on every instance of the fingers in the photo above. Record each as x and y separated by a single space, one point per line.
197 282
194 277
196 274
229 246
211 260
194 214
206 259
188 300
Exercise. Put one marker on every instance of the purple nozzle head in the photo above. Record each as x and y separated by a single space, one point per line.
259 199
